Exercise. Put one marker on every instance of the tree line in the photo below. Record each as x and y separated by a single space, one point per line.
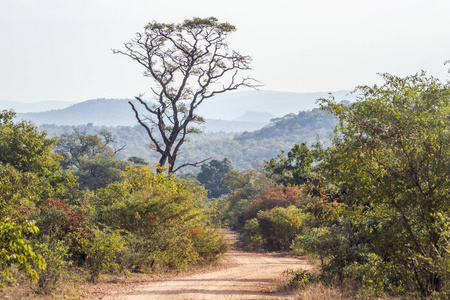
372 206
70 206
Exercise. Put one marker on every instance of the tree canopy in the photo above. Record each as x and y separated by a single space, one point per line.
390 160
90 157
29 150
188 63
212 176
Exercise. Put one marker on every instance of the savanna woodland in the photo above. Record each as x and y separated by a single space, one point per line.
371 209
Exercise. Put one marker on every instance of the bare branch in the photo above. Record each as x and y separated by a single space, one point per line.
196 164
188 63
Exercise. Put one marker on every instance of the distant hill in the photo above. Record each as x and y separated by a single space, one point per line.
251 149
254 116
233 112
117 112
213 125
245 150
102 112
22 107
305 125
231 106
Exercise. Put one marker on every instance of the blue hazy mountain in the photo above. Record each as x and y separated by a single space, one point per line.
23 107
232 112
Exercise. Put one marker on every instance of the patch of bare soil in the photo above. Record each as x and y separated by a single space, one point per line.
248 276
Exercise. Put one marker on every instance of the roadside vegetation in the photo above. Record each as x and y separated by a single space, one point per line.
79 212
372 209
371 206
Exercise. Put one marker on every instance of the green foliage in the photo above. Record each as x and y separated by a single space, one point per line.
293 169
251 235
61 221
304 126
274 229
271 197
99 171
17 193
244 186
25 148
78 144
298 279
57 218
370 276
212 176
280 225
28 150
17 197
90 157
137 160
390 160
163 217
57 259
101 251
16 249
334 246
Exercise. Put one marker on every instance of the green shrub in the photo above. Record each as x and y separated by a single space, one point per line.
209 244
335 248
299 278
280 225
374 276
273 229
71 223
101 252
57 259
271 197
16 250
251 236
165 223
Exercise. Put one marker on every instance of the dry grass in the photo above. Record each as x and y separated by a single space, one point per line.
21 288
324 292
75 285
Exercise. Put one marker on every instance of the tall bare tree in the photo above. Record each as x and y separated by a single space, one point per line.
188 63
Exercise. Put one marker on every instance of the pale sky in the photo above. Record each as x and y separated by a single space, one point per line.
60 49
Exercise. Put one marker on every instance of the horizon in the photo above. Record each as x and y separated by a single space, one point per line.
226 94
61 50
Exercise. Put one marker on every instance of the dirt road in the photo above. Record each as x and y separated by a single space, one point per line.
249 276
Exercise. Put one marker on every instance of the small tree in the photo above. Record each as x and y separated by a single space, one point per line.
91 158
188 62
212 176
28 150
391 159
293 169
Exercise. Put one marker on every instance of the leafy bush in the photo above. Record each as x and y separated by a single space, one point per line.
299 278
273 229
101 252
374 276
209 243
244 186
251 236
390 168
280 225
57 259
68 223
270 197
162 217
16 249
